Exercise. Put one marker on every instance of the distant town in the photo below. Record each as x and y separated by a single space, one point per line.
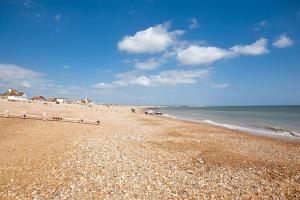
15 95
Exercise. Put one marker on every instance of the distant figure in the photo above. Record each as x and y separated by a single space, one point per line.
132 110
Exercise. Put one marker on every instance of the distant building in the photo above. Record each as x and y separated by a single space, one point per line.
57 100
14 95
38 98
85 101
61 100
51 99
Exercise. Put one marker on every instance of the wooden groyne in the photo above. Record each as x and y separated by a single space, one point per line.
45 117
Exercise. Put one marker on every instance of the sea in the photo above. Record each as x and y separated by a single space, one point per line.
276 121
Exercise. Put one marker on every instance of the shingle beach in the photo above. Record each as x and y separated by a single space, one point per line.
137 156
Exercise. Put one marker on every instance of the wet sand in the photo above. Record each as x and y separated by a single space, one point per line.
134 156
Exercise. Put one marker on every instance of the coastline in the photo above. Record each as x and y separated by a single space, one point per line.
134 156
245 130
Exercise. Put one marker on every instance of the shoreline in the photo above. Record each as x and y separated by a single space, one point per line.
258 132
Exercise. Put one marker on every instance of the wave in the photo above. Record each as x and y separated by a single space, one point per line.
267 131
278 129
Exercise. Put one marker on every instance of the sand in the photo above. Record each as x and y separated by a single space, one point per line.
134 156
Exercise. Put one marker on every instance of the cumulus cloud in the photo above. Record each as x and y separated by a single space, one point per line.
164 78
198 55
203 55
257 48
35 83
152 40
19 77
193 23
149 64
176 77
158 39
283 41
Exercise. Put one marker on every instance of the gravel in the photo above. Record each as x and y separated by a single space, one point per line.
133 156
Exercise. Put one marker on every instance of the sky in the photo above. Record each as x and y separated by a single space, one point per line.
201 53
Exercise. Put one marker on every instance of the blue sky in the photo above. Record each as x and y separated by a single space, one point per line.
153 52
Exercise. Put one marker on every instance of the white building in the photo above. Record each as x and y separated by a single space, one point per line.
14 95
61 100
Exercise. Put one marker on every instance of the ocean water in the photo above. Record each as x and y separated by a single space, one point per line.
276 121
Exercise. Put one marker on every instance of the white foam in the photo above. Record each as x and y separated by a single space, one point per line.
241 128
280 134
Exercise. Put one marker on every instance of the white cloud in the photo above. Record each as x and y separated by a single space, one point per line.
57 17
152 40
202 55
32 82
198 55
283 41
176 77
193 23
143 81
263 23
35 83
102 86
148 64
164 78
257 48
158 39
19 77
260 25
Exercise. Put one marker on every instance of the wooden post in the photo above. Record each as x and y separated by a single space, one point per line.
6 113
23 114
81 118
44 116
